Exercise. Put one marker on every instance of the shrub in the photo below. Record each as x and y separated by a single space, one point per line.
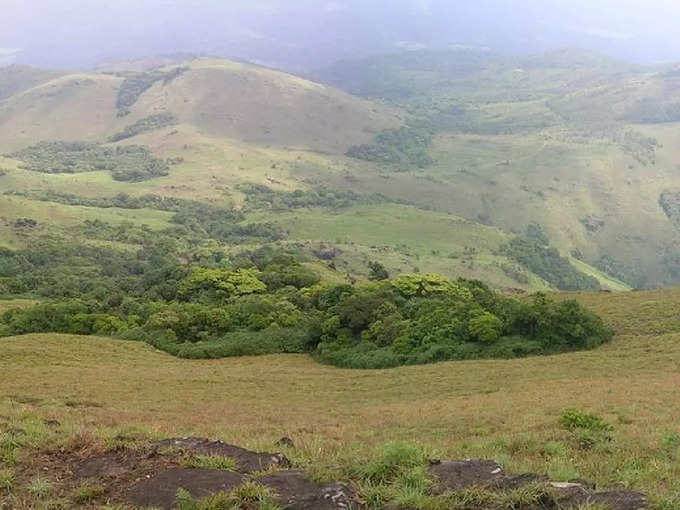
7 478
573 419
394 460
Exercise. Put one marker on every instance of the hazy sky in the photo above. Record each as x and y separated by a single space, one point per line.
312 33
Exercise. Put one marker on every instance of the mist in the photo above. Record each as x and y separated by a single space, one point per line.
307 34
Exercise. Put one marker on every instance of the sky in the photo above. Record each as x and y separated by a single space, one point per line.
307 34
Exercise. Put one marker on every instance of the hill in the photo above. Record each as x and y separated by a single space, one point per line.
508 410
578 143
213 131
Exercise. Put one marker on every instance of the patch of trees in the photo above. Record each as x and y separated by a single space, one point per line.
268 301
651 111
193 220
145 125
534 253
631 273
670 204
127 163
135 85
259 196
402 148
121 200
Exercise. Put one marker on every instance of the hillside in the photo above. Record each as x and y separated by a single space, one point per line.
506 410
578 143
214 131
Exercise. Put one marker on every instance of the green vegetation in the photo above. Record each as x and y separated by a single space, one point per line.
126 163
212 462
267 302
631 382
534 253
259 196
145 125
250 495
401 148
135 85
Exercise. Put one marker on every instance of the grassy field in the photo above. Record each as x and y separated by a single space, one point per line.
506 410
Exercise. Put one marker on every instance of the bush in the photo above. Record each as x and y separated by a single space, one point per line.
589 429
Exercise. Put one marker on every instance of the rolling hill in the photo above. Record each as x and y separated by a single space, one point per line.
499 144
581 144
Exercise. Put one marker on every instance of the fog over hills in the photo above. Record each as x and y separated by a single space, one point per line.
307 34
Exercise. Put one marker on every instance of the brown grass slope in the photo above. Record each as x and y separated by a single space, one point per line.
218 98
506 410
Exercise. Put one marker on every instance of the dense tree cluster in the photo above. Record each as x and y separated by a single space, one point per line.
534 252
259 196
145 125
401 148
270 301
134 85
192 219
126 163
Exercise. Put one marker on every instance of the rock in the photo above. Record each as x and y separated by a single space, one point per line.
247 461
457 475
620 500
572 495
106 466
296 492
161 490
511 482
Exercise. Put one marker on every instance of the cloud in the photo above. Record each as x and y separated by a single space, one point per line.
8 56
601 33
333 6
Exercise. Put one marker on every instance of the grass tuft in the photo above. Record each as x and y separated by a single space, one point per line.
212 462
7 478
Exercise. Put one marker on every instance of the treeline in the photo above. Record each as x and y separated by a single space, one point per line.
269 301
534 252
193 221
136 84
145 125
127 163
653 111
403 148
259 196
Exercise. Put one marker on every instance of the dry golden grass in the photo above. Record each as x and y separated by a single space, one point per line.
505 409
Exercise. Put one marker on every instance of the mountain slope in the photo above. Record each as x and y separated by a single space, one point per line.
471 135
218 98
582 145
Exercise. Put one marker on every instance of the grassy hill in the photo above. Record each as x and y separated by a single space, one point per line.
222 125
505 410
501 142
573 141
